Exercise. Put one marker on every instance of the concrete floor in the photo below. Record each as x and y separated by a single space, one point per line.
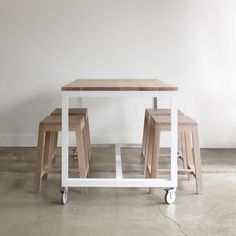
114 211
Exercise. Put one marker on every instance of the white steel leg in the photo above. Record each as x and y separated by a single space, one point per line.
118 163
65 138
174 132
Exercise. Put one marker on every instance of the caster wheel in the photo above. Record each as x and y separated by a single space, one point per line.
170 196
63 196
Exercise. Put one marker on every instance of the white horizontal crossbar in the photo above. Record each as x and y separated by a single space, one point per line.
116 183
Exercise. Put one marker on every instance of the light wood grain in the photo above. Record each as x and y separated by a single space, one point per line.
118 85
39 161
197 161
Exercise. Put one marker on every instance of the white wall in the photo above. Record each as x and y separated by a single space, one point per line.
46 44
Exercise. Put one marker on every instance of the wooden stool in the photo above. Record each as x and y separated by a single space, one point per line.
146 131
48 130
190 130
78 112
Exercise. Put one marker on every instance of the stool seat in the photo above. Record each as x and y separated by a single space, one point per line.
161 111
72 112
74 121
166 120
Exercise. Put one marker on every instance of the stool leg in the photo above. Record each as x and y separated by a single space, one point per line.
47 153
148 135
39 161
81 157
197 160
183 148
143 149
86 151
55 147
52 148
189 155
88 140
149 148
155 154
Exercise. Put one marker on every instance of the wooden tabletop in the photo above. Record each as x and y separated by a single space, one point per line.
118 85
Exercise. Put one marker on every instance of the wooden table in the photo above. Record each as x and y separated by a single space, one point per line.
108 88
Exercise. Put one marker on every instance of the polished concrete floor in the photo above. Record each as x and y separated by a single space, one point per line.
111 211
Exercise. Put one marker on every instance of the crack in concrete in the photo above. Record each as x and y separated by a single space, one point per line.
166 216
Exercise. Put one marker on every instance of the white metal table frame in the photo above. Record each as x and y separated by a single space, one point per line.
119 181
